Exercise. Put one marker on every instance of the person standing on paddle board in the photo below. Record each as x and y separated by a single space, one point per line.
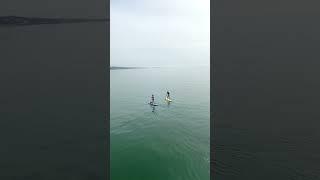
152 99
168 95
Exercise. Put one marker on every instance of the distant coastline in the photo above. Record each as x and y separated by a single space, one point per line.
119 67
24 21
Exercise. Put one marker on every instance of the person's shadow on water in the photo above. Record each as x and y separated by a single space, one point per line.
154 110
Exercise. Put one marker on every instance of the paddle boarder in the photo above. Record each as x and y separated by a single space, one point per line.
168 95
152 99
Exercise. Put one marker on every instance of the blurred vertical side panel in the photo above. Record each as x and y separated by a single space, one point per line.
54 89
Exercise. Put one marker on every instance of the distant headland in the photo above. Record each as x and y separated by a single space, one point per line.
118 67
24 21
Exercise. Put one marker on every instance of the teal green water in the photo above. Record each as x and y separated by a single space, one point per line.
169 142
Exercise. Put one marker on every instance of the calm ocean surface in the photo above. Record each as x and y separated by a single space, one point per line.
53 103
266 84
168 142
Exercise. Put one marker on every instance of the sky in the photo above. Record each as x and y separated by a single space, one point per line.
159 32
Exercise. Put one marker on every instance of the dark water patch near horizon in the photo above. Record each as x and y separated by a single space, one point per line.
11 21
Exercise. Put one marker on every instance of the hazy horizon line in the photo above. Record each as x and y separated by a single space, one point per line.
180 65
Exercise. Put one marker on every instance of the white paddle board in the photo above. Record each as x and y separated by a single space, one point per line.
167 99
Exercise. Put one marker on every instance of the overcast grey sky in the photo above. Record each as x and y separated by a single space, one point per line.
159 32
